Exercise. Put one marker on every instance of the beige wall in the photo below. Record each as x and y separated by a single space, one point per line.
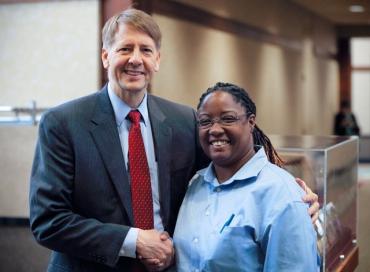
295 91
17 145
48 51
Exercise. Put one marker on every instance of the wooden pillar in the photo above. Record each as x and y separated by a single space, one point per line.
344 61
144 5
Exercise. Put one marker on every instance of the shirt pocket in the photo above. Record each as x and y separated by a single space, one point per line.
236 249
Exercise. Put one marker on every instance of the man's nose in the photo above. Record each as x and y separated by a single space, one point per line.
136 58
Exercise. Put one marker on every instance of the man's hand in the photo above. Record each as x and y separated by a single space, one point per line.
154 249
310 198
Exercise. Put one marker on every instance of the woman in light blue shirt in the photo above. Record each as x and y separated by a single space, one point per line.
243 212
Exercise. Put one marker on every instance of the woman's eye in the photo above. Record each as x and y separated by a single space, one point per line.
228 119
204 122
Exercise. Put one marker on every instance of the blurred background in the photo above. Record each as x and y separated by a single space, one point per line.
298 59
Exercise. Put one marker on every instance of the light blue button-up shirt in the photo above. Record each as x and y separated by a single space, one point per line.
121 110
255 221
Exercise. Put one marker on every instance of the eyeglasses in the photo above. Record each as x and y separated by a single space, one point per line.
224 120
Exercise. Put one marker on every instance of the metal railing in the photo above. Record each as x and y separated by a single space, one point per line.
31 115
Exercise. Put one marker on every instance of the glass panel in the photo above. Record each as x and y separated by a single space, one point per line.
360 52
361 99
329 167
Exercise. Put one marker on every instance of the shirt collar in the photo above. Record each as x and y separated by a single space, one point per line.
249 170
121 109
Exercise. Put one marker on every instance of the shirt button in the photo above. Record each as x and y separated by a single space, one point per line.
218 189
207 213
195 240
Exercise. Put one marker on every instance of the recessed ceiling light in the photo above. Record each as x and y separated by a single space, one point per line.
356 8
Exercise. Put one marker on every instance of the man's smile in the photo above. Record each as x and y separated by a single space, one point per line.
133 72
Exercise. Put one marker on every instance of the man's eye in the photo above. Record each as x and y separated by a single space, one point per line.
228 119
124 49
147 51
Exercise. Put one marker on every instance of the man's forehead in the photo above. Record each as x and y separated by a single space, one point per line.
132 30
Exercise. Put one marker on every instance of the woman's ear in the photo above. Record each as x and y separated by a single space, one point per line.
252 120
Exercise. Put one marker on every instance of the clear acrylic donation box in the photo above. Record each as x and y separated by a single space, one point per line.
328 165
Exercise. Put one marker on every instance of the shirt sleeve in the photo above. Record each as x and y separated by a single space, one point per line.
290 241
128 248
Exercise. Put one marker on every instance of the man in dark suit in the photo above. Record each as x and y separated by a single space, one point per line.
81 202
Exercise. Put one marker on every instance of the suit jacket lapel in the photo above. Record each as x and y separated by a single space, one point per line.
162 135
105 134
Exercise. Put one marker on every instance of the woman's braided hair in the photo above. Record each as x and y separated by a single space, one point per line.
242 97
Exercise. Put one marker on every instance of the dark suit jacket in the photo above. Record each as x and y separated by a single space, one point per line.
80 203
343 126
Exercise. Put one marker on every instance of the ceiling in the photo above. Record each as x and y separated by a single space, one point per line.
337 11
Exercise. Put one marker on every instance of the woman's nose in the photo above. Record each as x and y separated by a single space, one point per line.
216 129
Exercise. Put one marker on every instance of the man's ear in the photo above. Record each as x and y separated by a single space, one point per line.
157 62
104 58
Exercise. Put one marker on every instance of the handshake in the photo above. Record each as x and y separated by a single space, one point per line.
154 249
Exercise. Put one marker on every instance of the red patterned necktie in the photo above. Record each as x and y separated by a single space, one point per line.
141 191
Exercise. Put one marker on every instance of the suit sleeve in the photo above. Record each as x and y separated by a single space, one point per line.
290 242
202 160
53 220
